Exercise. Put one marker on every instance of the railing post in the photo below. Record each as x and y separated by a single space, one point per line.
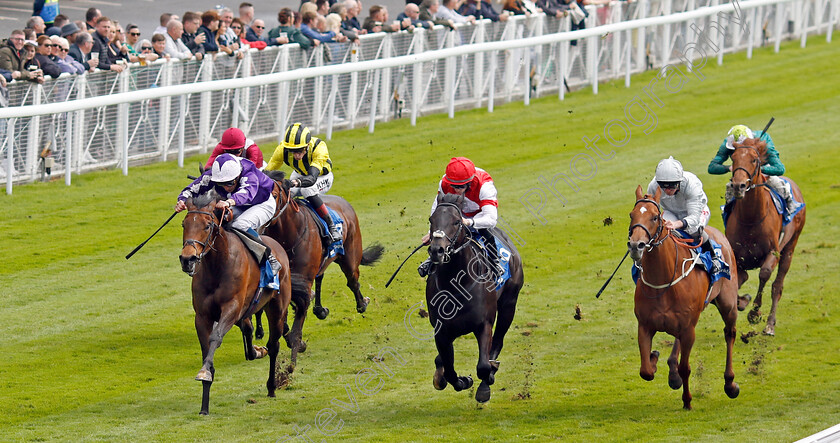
68 150
417 75
478 68
665 55
34 137
779 10
832 16
511 66
318 83
751 34
538 23
526 77
491 93
373 99
803 22
628 35
165 111
641 55
10 153
353 94
182 123
80 121
562 59
283 95
122 120
387 91
615 17
242 98
205 103
449 76
331 112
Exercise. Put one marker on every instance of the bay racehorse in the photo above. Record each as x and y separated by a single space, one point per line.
754 227
672 292
225 283
296 229
463 297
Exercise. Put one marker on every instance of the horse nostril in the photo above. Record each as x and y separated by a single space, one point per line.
640 245
742 186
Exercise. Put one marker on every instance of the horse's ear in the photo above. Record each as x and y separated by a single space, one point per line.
200 168
440 197
639 193
658 194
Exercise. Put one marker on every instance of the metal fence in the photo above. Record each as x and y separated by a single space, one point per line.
160 128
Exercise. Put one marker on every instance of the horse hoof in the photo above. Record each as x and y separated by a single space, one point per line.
754 316
482 395
203 413
302 347
438 381
361 309
674 381
259 334
744 301
260 352
204 375
770 330
464 383
321 312
733 390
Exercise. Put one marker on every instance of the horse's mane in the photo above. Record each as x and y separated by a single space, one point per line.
451 198
205 199
277 176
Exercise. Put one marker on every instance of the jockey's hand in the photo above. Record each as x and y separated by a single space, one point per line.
295 183
467 221
224 204
425 239
673 224
180 206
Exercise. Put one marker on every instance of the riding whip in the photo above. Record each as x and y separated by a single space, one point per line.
767 127
147 240
406 259
613 274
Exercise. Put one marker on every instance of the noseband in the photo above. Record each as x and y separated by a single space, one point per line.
450 249
659 227
208 245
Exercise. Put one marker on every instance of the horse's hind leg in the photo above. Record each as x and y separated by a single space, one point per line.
743 302
505 312
649 359
674 379
686 343
294 339
484 370
763 275
251 352
319 311
350 268
258 328
779 283
447 360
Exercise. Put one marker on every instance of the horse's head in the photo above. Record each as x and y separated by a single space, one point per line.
201 226
746 165
646 224
446 228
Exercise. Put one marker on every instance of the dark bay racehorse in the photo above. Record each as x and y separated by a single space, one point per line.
225 281
462 297
672 292
754 227
296 230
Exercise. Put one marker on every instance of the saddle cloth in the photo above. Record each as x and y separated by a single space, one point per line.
778 201
504 257
706 259
267 278
331 248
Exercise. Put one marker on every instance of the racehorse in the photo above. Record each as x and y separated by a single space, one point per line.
297 231
458 307
225 280
670 298
754 227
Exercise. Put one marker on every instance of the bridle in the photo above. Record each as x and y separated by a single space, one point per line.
450 248
659 227
211 238
752 176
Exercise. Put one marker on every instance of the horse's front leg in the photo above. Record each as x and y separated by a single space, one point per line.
251 352
686 343
763 275
484 370
649 359
258 327
446 354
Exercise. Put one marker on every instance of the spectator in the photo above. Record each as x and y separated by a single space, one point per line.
518 7
46 9
309 28
255 44
37 24
236 28
91 17
340 10
307 7
29 34
412 12
351 22
223 42
132 36
376 21
255 31
11 58
429 10
29 63
553 8
226 16
172 45
69 31
65 63
482 9
448 11
55 28
209 25
117 50
192 39
286 17
246 13
42 57
81 49
160 43
322 7
164 21
147 51
101 43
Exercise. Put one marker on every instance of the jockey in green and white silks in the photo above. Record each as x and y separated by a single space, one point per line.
772 166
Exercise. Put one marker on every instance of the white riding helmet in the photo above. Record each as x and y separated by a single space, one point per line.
226 168
669 170
737 133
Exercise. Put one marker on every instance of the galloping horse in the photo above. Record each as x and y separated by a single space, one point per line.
754 227
458 307
297 231
670 298
225 280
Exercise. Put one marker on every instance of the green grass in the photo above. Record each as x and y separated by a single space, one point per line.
99 348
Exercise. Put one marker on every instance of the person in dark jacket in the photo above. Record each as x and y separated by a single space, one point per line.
101 43
209 26
43 57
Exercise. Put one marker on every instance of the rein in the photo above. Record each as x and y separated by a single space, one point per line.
659 227
208 245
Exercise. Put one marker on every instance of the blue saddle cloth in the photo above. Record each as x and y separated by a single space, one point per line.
334 247
778 201
267 279
504 257
705 258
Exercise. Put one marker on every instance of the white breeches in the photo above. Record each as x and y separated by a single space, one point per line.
255 216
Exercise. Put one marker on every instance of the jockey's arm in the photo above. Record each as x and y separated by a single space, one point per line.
276 159
485 219
310 179
696 203
716 167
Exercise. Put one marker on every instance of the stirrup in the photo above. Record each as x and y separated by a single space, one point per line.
274 264
334 234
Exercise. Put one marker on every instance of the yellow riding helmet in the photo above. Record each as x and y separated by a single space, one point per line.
297 137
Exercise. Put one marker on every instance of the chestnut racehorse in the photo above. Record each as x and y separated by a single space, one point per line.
754 227
462 297
672 292
297 231
225 282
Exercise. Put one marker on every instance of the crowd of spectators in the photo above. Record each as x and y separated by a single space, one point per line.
51 44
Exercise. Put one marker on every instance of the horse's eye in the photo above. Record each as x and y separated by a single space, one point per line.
655 218
207 228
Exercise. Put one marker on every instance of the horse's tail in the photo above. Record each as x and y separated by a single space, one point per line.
300 291
372 254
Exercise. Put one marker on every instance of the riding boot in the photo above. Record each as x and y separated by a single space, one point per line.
267 256
274 263
425 267
714 254
492 252
783 188
333 229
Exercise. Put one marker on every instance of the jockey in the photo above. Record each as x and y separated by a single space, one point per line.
246 191
683 202
312 175
234 142
480 203
772 167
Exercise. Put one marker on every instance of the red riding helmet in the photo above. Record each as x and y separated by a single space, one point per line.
232 139
459 171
